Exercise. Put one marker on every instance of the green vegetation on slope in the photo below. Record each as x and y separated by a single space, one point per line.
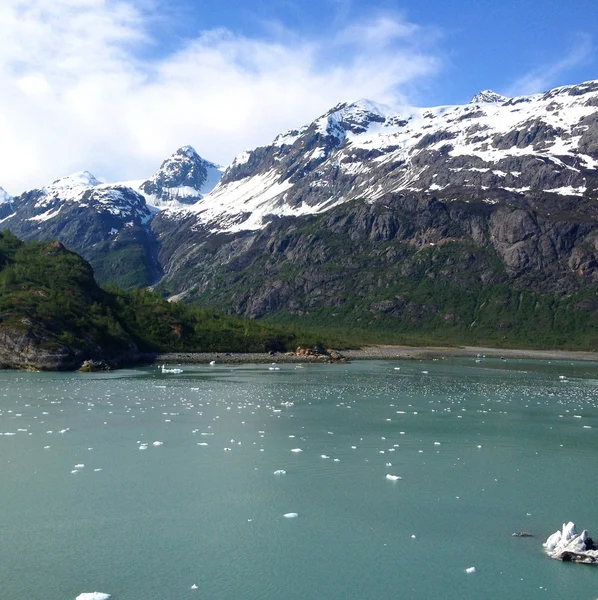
49 292
438 313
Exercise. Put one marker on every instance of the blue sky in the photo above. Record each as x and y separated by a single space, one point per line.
512 46
115 86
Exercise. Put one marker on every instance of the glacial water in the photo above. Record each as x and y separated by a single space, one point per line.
151 486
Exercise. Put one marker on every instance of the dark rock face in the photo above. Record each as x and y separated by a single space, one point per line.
28 350
302 264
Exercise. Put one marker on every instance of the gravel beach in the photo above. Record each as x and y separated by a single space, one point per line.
372 353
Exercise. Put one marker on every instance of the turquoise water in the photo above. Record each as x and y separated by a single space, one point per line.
483 450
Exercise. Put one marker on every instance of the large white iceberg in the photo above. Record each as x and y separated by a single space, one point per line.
569 545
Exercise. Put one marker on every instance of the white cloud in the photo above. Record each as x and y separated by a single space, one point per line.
78 91
546 76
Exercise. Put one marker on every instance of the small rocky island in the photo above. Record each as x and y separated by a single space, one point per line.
569 546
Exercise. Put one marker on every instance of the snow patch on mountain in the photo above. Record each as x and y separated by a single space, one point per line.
67 189
240 205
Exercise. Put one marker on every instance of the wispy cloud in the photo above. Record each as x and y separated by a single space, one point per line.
546 76
79 91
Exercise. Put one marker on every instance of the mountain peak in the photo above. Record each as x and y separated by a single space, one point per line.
487 96
188 151
183 178
78 179
5 197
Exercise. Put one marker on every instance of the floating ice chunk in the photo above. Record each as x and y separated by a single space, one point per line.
96 470
194 586
47 447
79 466
202 443
280 472
397 368
143 447
337 460
437 443
296 450
324 456
75 471
290 515
212 362
158 444
470 570
93 596
389 464
392 477
567 544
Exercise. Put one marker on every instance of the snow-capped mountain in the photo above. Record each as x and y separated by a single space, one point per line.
83 191
5 205
492 148
182 179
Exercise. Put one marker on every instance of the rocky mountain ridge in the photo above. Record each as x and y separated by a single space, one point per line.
492 148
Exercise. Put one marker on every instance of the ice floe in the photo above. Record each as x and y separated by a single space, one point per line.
290 515
568 545
93 596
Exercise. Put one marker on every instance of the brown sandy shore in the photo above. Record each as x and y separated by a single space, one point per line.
373 353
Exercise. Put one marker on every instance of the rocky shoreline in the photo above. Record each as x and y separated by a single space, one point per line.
12 359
